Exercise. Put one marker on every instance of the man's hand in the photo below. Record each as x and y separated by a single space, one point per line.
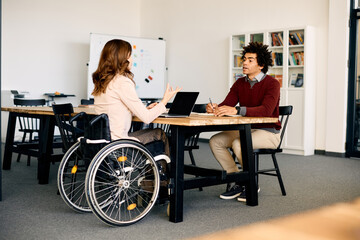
211 108
225 110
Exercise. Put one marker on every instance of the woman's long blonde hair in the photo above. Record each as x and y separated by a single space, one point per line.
113 60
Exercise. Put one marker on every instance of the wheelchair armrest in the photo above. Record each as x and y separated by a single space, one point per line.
103 116
74 118
103 129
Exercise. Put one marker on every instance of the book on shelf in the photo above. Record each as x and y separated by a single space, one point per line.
292 79
280 39
242 42
277 58
296 38
299 80
238 61
292 39
300 37
276 39
296 58
279 77
296 79
236 76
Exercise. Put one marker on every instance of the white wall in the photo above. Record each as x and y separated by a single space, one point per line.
45 43
198 33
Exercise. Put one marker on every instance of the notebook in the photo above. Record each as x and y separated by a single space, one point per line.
182 105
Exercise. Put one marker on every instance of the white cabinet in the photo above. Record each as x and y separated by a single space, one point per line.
294 66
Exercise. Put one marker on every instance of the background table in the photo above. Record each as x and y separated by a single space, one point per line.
52 96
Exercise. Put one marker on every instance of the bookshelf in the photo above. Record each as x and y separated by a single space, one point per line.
293 56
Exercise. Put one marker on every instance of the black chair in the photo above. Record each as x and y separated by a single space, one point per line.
68 131
191 142
29 126
87 101
284 114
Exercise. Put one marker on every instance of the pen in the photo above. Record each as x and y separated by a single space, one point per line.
211 103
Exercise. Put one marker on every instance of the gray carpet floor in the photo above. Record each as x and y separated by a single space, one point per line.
33 211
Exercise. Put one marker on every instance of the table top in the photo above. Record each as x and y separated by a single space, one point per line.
195 119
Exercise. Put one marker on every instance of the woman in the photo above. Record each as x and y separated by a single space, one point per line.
115 95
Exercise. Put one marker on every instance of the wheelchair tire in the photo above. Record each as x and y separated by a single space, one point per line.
71 179
122 183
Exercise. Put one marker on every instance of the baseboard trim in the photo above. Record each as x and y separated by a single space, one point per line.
330 154
320 152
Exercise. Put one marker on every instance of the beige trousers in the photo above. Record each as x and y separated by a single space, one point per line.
221 142
149 135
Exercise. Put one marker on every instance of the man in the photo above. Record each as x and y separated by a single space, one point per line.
258 95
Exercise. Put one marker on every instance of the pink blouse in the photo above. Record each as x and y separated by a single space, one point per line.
120 102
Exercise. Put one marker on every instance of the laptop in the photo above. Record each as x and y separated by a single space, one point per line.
182 105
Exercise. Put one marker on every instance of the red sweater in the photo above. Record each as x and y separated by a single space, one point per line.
261 100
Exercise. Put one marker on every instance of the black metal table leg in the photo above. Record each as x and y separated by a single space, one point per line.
177 174
249 165
46 135
9 141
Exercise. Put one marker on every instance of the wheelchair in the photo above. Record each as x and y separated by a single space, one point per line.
119 181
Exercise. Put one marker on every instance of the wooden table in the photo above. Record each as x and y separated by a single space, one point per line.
180 127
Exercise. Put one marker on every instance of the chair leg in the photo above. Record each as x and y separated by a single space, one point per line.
22 140
28 161
256 156
193 163
18 157
192 157
278 175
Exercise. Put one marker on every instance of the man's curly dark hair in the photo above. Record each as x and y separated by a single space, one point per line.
263 55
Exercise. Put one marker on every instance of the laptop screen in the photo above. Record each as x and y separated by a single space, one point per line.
183 103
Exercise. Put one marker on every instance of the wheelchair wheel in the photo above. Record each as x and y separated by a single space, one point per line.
71 179
122 183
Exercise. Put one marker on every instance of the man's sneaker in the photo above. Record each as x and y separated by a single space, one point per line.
233 192
242 197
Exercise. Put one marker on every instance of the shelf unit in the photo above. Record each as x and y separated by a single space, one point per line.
294 66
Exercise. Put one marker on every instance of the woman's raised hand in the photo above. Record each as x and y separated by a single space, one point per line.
169 93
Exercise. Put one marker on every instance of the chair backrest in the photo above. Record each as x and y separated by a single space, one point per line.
29 123
87 101
67 130
200 108
29 102
284 114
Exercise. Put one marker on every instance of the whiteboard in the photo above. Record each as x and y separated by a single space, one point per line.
148 63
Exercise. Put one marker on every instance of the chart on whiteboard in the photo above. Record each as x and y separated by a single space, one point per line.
148 63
